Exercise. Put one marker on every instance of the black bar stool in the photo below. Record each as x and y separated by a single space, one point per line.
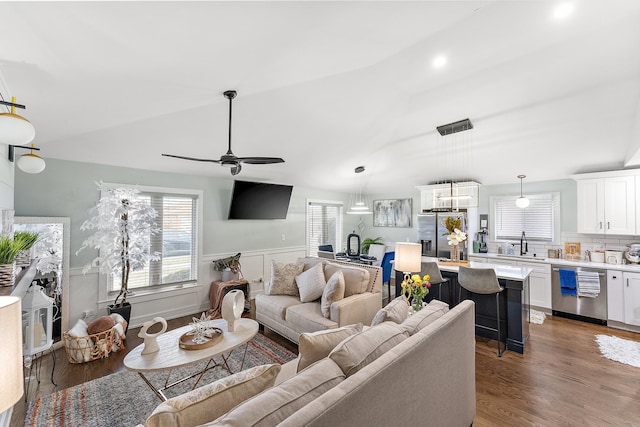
482 281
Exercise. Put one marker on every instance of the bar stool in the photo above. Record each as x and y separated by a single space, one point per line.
482 281
435 277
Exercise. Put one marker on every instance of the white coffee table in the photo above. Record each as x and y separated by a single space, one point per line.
171 356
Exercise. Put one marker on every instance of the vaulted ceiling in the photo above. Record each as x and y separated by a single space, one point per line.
330 86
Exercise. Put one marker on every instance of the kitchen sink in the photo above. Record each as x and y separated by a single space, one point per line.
525 257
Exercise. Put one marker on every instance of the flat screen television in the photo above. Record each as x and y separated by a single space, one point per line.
258 200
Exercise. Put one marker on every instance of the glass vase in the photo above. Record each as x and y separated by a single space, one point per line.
455 253
416 303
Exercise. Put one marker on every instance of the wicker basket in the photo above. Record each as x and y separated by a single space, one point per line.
92 347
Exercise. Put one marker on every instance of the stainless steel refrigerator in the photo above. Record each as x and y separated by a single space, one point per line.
432 233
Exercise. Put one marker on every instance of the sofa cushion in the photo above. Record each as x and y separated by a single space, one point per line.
275 306
311 283
307 317
357 351
429 314
313 346
356 279
333 291
309 262
213 400
283 278
276 404
396 311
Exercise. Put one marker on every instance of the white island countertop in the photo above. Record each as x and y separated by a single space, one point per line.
508 272
492 257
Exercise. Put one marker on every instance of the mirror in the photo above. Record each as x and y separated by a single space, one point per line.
52 254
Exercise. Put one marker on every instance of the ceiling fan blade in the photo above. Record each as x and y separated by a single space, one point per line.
191 158
260 160
235 170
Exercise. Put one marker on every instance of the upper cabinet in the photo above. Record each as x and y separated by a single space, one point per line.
607 203
459 195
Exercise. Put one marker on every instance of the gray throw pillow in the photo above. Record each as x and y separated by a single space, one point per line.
283 278
396 311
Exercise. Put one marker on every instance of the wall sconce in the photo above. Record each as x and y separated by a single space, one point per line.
29 163
522 202
15 129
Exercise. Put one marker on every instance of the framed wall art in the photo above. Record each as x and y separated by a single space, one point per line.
392 213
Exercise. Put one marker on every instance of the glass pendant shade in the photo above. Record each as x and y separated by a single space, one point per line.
31 163
15 129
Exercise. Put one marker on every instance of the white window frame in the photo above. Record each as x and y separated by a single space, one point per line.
311 251
557 217
104 281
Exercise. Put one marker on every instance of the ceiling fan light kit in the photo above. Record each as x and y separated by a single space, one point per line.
229 159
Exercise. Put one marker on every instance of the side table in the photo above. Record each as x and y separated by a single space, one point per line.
219 289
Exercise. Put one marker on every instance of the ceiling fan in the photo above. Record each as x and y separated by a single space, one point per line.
229 159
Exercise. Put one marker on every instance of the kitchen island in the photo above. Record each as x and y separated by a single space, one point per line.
514 300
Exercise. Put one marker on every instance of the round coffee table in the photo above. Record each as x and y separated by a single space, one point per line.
171 356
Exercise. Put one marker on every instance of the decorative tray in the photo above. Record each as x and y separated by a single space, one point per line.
186 340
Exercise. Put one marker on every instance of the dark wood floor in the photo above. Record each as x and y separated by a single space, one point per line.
561 379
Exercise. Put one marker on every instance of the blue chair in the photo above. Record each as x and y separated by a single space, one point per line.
387 268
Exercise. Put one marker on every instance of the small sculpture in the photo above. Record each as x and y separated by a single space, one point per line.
232 307
150 340
201 330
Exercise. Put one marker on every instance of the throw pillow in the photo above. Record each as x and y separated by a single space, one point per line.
311 283
314 346
278 403
356 279
283 278
334 291
396 311
213 400
357 351
429 314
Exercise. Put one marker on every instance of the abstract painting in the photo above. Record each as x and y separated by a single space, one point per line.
392 213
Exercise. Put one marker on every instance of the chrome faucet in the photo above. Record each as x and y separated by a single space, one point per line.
524 245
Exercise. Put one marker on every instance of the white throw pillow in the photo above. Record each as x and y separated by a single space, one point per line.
333 291
396 311
311 283
314 346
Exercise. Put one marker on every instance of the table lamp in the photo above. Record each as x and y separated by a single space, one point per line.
11 354
408 258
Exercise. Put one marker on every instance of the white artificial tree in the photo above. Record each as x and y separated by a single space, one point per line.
123 223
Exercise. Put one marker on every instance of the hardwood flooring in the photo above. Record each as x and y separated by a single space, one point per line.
561 380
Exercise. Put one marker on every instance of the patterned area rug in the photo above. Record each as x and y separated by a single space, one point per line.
537 317
620 350
123 399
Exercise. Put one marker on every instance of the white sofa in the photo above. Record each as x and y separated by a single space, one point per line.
289 317
419 372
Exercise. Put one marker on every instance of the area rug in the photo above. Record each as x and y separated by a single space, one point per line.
537 317
123 399
620 350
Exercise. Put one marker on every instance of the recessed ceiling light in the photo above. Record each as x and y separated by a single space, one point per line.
563 11
439 61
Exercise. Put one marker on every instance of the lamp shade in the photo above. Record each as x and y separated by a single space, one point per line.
408 257
31 163
11 354
522 202
15 129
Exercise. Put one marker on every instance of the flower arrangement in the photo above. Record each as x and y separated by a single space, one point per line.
416 288
455 236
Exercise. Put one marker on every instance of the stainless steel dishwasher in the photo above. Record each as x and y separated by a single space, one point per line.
581 308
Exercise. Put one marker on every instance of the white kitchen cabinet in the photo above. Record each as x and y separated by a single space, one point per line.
631 298
607 205
539 284
615 296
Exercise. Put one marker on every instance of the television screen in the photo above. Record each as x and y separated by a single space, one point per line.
257 200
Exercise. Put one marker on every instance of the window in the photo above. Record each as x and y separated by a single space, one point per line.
539 221
176 242
324 225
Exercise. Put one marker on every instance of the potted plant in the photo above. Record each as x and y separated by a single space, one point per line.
122 223
24 256
229 266
9 249
366 243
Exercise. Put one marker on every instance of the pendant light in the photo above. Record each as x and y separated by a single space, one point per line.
522 202
358 204
29 163
15 129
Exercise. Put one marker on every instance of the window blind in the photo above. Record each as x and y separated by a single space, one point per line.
537 220
324 226
176 243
